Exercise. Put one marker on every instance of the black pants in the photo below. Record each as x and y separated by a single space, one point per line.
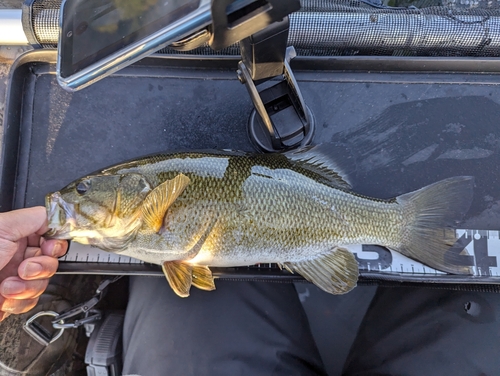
255 328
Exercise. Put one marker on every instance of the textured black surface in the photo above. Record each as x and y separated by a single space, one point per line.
423 141
122 118
398 132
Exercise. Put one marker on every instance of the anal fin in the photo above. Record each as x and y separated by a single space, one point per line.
335 272
179 275
202 278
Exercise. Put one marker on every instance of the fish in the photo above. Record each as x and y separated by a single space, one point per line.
189 211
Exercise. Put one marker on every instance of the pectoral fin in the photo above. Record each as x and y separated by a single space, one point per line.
202 278
158 201
179 276
335 272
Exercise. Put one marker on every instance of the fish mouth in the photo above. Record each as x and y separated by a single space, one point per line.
60 217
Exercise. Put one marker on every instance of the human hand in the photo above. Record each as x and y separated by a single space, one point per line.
26 259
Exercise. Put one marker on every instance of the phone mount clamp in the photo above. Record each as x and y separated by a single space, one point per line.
281 120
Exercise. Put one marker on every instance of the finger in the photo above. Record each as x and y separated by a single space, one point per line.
16 288
34 240
54 247
3 315
11 266
9 252
32 252
15 226
17 306
18 224
39 267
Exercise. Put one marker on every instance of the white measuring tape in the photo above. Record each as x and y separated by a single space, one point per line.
482 247
85 253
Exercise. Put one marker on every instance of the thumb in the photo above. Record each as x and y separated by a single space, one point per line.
19 224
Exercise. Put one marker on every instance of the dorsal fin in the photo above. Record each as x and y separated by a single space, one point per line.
159 200
320 160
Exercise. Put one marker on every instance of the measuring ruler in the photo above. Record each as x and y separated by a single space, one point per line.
85 253
482 250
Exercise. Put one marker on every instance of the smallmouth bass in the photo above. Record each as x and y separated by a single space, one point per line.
189 211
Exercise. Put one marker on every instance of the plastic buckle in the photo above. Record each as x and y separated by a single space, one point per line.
38 332
281 120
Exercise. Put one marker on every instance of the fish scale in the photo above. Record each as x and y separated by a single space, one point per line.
269 236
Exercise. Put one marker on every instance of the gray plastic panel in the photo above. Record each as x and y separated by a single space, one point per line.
406 122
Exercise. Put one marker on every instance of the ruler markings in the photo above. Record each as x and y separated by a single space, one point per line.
376 259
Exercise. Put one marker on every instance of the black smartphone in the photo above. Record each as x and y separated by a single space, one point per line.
99 37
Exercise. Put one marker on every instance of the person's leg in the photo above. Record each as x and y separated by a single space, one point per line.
422 331
242 328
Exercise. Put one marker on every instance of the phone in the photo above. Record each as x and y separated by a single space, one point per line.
99 37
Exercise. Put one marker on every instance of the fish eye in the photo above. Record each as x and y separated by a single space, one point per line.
83 187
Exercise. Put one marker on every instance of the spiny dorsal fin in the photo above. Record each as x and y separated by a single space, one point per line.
179 275
202 278
335 272
158 201
320 159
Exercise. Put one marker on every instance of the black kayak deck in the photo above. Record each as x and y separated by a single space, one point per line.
405 121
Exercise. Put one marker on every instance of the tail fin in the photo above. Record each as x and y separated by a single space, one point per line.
430 214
